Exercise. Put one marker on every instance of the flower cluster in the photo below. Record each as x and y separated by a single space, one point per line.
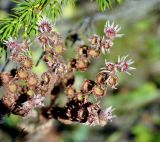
24 90
106 42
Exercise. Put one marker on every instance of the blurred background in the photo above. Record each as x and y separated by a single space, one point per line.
137 99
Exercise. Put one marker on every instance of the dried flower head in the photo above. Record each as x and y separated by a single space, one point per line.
60 69
17 56
68 80
123 65
70 92
109 68
106 45
101 78
82 51
32 80
111 30
95 41
71 65
99 91
45 78
45 25
87 86
5 77
27 63
106 116
22 73
112 81
58 48
24 46
44 39
82 64
12 87
54 38
93 118
93 52
9 99
11 43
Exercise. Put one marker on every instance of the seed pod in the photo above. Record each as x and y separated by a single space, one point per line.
79 96
5 78
12 87
112 81
106 45
43 38
47 57
99 91
45 78
110 67
54 38
101 78
71 65
22 110
82 97
68 80
9 100
60 69
93 52
59 48
87 86
24 45
82 64
27 63
83 51
32 80
18 57
22 73
95 41
82 115
43 89
70 92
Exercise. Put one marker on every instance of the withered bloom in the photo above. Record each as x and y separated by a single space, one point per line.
24 90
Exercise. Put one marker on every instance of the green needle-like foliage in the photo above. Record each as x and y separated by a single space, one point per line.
27 13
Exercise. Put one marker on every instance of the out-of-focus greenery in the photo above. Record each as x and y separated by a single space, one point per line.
137 99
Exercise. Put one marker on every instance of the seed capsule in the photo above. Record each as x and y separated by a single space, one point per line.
54 38
106 45
82 64
70 92
45 78
12 87
27 63
82 115
68 80
95 41
98 91
22 73
59 48
5 77
9 100
24 46
71 65
101 78
87 86
112 81
32 80
44 39
93 52
83 51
